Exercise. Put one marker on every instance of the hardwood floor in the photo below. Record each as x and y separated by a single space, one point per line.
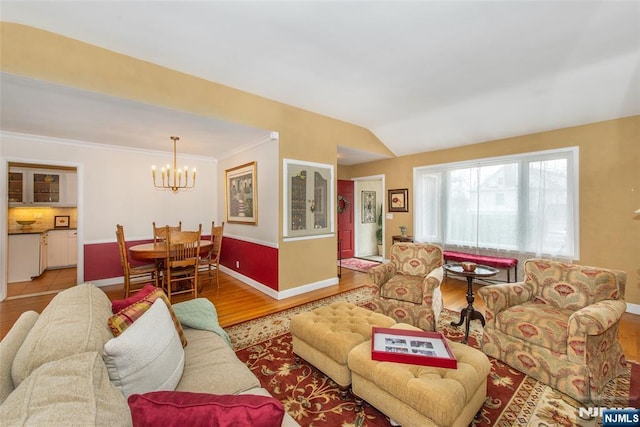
237 302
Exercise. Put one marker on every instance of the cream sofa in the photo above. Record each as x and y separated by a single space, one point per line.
52 369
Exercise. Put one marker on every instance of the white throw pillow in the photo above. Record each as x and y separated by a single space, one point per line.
148 355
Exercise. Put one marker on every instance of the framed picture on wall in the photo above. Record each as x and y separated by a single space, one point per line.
399 200
368 206
241 194
61 221
309 203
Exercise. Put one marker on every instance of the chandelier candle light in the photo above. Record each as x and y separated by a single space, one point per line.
174 183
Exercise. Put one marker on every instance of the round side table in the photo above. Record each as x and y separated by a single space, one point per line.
470 313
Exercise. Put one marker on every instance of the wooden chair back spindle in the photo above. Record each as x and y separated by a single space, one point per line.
160 233
183 254
138 275
212 260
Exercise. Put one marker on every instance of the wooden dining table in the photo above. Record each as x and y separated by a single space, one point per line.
158 250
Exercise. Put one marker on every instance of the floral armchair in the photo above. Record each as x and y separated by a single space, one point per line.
408 287
559 326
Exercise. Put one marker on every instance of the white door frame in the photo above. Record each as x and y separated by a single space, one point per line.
4 232
358 209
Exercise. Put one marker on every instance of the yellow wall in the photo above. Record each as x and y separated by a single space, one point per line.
303 135
609 154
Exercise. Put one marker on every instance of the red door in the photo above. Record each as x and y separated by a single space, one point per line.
345 219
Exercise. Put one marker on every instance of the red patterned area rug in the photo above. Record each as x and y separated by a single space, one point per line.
312 399
358 264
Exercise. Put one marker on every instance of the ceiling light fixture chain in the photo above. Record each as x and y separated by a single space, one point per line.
172 178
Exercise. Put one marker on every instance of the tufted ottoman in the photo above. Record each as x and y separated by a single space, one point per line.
415 395
325 336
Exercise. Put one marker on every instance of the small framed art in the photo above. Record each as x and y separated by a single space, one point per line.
61 221
399 200
241 195
368 206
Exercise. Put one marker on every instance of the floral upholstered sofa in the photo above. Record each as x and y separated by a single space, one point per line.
408 287
560 325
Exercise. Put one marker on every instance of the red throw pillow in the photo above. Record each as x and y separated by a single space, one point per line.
117 305
182 408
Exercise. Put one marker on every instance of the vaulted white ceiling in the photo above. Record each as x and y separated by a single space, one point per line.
422 75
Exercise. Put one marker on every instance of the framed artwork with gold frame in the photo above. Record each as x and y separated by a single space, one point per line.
241 194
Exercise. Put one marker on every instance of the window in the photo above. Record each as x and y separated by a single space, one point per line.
308 196
525 203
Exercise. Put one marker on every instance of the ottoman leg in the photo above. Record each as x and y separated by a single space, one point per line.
359 403
344 391
478 414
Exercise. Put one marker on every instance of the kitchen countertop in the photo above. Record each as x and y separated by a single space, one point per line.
36 230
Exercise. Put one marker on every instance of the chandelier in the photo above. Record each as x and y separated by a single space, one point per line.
172 179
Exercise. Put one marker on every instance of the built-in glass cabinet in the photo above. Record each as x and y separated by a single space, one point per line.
16 187
40 187
46 187
308 196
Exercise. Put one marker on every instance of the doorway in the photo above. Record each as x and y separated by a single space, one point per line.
369 222
41 227
346 207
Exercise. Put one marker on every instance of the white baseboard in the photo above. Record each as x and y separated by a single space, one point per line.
275 294
107 282
633 309
299 290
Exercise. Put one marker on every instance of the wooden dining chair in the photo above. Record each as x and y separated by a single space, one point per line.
212 259
181 264
160 233
135 277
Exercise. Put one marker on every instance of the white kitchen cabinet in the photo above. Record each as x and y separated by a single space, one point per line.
44 261
61 248
23 257
70 189
72 247
42 187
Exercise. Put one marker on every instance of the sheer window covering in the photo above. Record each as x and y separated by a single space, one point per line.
524 204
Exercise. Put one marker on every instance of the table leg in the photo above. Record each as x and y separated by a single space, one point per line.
463 315
469 313
467 322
